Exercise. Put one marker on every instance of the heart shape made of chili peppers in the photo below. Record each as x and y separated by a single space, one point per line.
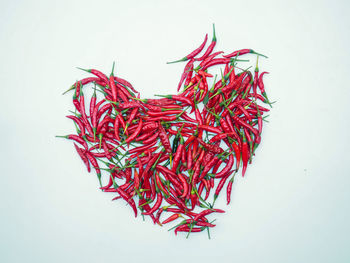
167 157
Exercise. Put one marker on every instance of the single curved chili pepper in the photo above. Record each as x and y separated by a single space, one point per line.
164 138
193 53
198 116
185 73
244 124
150 164
229 189
151 139
106 120
210 147
199 223
82 107
207 167
92 103
180 98
189 229
150 126
163 113
135 133
242 52
141 148
210 47
106 150
161 118
214 62
245 154
189 158
156 206
125 83
154 190
185 185
188 118
196 173
124 94
171 218
157 102
207 212
210 129
177 156
131 117
95 165
217 165
75 138
122 122
261 85
160 185
128 105
116 129
209 58
170 175
237 152
144 136
189 76
83 157
227 168
113 88
79 122
128 199
97 73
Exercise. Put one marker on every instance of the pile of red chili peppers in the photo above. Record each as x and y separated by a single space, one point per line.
165 156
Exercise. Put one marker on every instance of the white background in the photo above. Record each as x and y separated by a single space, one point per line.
291 207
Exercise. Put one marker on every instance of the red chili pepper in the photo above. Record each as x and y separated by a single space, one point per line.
131 117
209 58
83 157
185 73
156 206
210 147
210 129
80 124
164 138
207 212
245 154
151 139
95 165
214 62
242 52
128 199
227 168
163 113
96 73
193 53
171 218
125 83
177 156
141 148
135 133
75 138
262 87
185 185
210 47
